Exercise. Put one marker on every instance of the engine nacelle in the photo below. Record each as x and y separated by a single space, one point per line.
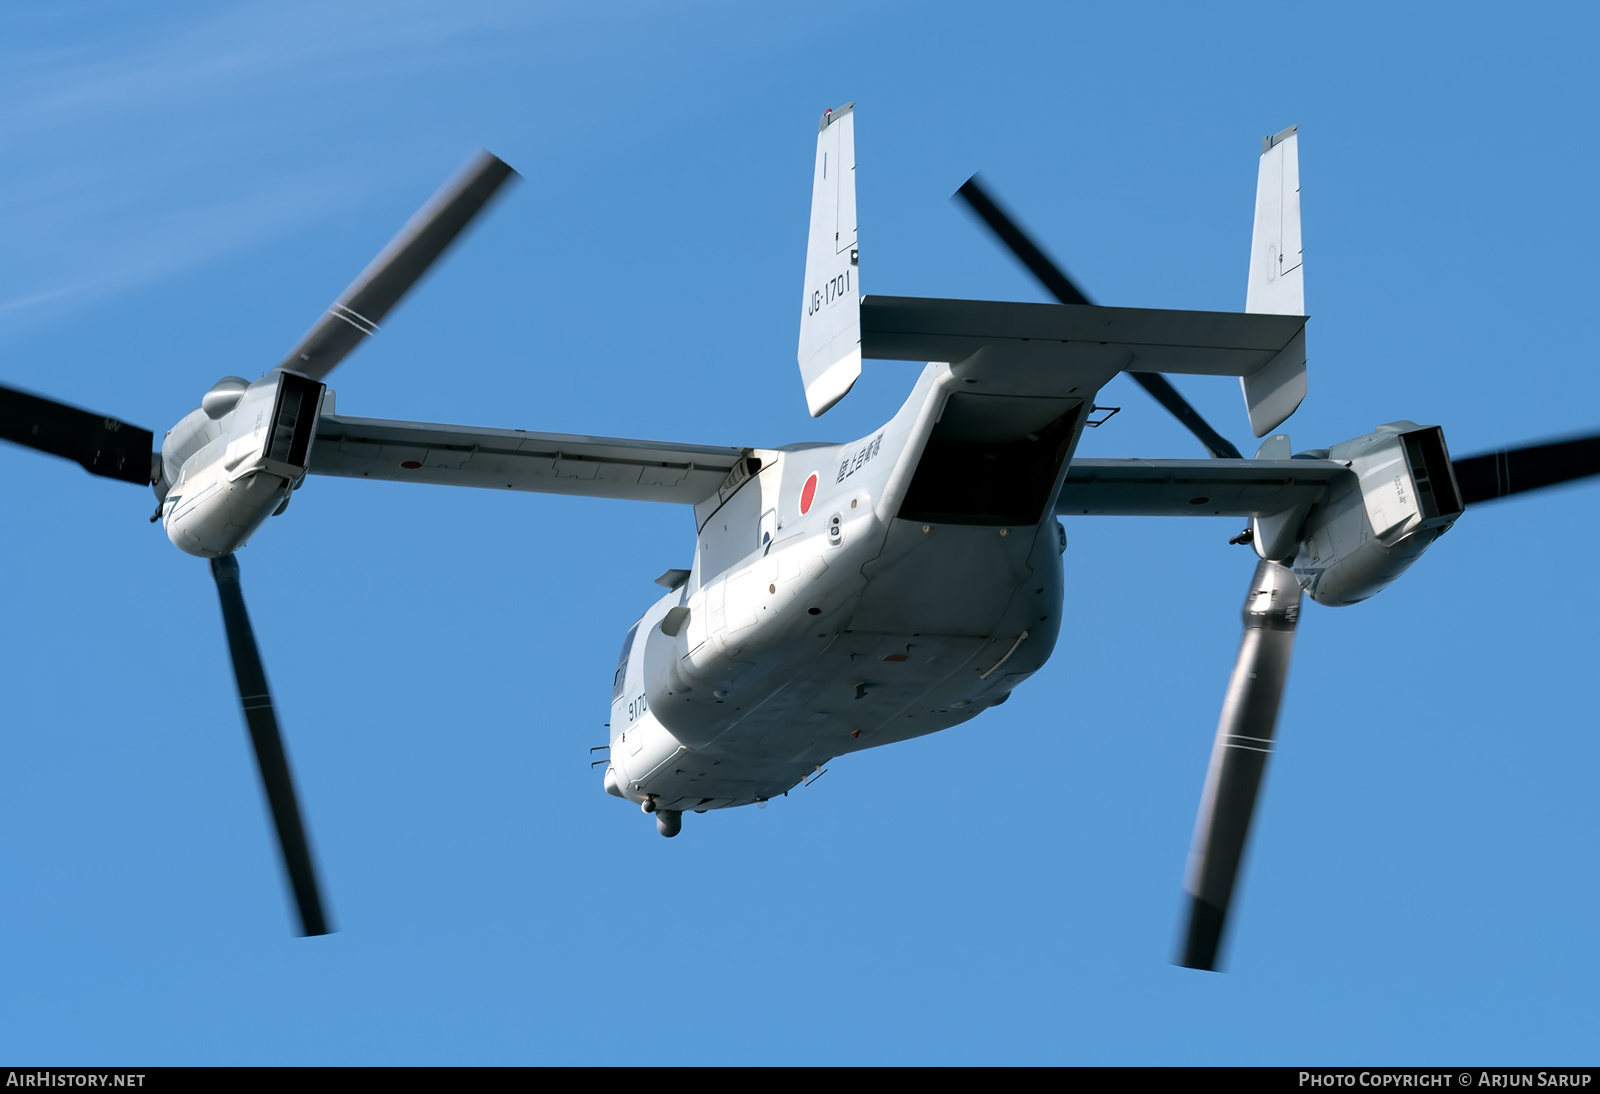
1378 520
230 464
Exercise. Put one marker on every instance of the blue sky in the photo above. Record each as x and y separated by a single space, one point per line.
188 186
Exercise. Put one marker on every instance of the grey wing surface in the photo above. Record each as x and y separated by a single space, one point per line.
516 459
1197 488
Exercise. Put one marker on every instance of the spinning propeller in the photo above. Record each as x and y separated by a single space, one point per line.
1064 289
117 450
1271 612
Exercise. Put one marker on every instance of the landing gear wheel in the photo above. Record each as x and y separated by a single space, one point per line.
669 822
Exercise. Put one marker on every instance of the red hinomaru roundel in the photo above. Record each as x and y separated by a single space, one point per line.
808 494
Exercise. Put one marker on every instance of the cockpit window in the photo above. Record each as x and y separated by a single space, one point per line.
622 663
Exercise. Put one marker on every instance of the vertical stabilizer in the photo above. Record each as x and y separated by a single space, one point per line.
1277 285
830 314
1277 281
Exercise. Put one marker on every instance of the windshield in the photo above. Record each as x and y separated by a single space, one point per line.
622 663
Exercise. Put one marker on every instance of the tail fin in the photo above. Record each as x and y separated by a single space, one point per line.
1277 281
830 314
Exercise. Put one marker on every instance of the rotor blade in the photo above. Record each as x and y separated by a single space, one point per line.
1239 757
1510 471
1164 393
104 446
1050 275
271 759
1066 290
362 306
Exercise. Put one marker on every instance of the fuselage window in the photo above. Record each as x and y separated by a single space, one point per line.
622 664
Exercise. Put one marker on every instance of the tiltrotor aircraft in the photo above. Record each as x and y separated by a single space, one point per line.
846 596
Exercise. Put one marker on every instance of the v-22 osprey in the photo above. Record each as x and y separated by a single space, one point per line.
847 596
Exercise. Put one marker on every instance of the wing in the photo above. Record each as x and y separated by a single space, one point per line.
1193 488
515 459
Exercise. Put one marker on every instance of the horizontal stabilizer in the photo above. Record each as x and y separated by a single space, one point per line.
830 313
903 328
515 459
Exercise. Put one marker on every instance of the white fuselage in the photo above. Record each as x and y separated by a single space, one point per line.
824 620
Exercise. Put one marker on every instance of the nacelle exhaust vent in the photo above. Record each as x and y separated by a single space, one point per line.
1438 496
294 421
